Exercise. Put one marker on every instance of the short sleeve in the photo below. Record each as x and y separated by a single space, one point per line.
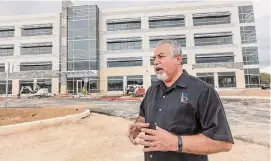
212 116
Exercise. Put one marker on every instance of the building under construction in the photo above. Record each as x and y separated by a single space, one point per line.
107 50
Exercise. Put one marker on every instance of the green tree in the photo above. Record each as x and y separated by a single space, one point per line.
265 79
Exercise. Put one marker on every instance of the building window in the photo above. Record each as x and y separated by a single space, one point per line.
153 42
37 50
93 85
213 39
82 12
82 65
26 86
135 79
248 34
124 45
71 85
151 61
166 23
44 83
226 79
211 19
37 31
214 58
252 78
122 26
35 66
154 79
115 83
124 62
207 77
7 51
2 68
250 55
246 14
3 87
6 33
184 60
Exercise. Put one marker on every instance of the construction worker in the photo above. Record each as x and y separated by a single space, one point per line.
84 91
181 118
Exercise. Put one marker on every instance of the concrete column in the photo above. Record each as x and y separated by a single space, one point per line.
216 80
103 84
234 16
145 42
238 55
240 79
236 37
35 84
17 32
15 86
124 83
190 39
146 80
145 26
17 49
55 86
188 19
144 22
191 58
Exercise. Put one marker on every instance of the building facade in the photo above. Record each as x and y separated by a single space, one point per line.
219 43
104 50
30 44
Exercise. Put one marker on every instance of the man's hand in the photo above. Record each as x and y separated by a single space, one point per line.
158 140
135 129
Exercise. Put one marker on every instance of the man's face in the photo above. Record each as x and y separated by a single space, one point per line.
165 65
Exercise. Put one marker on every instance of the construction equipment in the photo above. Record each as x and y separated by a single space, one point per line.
37 93
135 90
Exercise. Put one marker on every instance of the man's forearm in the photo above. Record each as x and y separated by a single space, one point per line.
140 119
201 144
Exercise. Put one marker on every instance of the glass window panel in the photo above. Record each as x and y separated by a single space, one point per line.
138 45
117 46
124 46
93 65
70 66
110 27
129 63
82 65
82 44
81 24
204 41
226 81
115 83
81 34
131 45
81 55
110 46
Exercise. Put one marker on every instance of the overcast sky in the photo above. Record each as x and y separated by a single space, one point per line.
261 10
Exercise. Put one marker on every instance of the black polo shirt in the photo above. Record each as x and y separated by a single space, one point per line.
190 106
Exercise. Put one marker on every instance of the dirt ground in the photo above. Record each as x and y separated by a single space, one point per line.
246 92
98 138
19 115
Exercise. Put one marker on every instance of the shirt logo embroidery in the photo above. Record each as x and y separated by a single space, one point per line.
184 97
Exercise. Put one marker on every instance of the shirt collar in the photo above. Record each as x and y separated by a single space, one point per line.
182 81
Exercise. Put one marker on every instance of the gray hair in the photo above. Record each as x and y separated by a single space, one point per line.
176 46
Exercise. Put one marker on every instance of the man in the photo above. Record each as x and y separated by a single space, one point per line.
181 118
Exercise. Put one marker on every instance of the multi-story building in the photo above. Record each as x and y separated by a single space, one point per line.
30 43
106 50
